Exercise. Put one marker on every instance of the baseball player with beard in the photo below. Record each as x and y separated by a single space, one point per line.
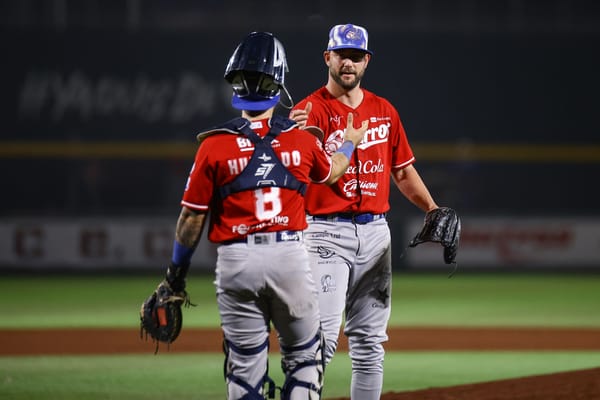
251 173
348 236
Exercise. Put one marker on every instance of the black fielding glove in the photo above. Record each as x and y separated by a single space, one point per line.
441 225
160 314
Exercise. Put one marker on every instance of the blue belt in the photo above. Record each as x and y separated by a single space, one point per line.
268 237
360 219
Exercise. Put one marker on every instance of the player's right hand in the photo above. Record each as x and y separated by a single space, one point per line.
300 116
354 134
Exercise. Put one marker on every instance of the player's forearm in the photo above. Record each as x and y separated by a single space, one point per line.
411 185
189 227
340 163
187 235
341 158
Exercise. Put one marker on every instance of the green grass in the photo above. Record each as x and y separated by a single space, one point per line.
199 376
30 301
93 301
420 370
417 300
497 300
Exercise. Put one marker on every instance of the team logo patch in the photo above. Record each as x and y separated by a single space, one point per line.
265 168
334 142
325 252
327 284
256 125
382 297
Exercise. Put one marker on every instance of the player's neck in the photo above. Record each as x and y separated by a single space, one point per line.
257 115
352 98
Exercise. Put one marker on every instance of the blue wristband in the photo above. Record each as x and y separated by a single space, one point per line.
347 148
182 255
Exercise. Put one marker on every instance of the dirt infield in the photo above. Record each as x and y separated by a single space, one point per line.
561 386
577 385
126 340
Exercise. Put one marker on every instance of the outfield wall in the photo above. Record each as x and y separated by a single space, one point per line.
92 244
145 244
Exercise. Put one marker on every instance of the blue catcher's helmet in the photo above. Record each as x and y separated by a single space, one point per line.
256 72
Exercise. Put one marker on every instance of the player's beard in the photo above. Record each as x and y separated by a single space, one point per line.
346 85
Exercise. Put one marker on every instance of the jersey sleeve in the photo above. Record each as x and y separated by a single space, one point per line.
402 154
199 186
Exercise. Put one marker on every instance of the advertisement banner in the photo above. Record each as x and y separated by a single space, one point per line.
501 242
146 243
94 243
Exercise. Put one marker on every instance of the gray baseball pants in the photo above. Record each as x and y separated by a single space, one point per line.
352 267
258 284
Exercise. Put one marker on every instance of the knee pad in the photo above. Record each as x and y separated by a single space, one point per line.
304 368
239 369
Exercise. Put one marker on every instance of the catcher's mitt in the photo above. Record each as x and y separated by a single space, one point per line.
442 225
160 314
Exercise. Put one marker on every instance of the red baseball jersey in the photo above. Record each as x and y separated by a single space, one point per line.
365 187
223 156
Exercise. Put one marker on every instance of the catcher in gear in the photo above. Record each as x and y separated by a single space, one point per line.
251 173
442 225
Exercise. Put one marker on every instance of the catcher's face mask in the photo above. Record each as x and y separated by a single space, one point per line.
254 91
256 71
246 84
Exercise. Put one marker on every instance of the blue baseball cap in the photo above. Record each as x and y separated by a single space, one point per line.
348 36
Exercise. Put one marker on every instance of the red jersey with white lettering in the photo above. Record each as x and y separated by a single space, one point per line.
223 156
365 187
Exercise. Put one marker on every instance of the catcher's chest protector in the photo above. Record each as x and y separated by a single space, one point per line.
264 169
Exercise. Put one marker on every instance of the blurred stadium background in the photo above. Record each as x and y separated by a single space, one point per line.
101 101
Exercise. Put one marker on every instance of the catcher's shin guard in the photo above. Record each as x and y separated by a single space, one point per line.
238 386
304 379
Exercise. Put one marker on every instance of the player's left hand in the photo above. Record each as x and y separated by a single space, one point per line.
160 314
442 225
300 116
355 134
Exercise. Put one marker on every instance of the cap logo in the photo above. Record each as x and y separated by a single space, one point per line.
348 37
353 35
